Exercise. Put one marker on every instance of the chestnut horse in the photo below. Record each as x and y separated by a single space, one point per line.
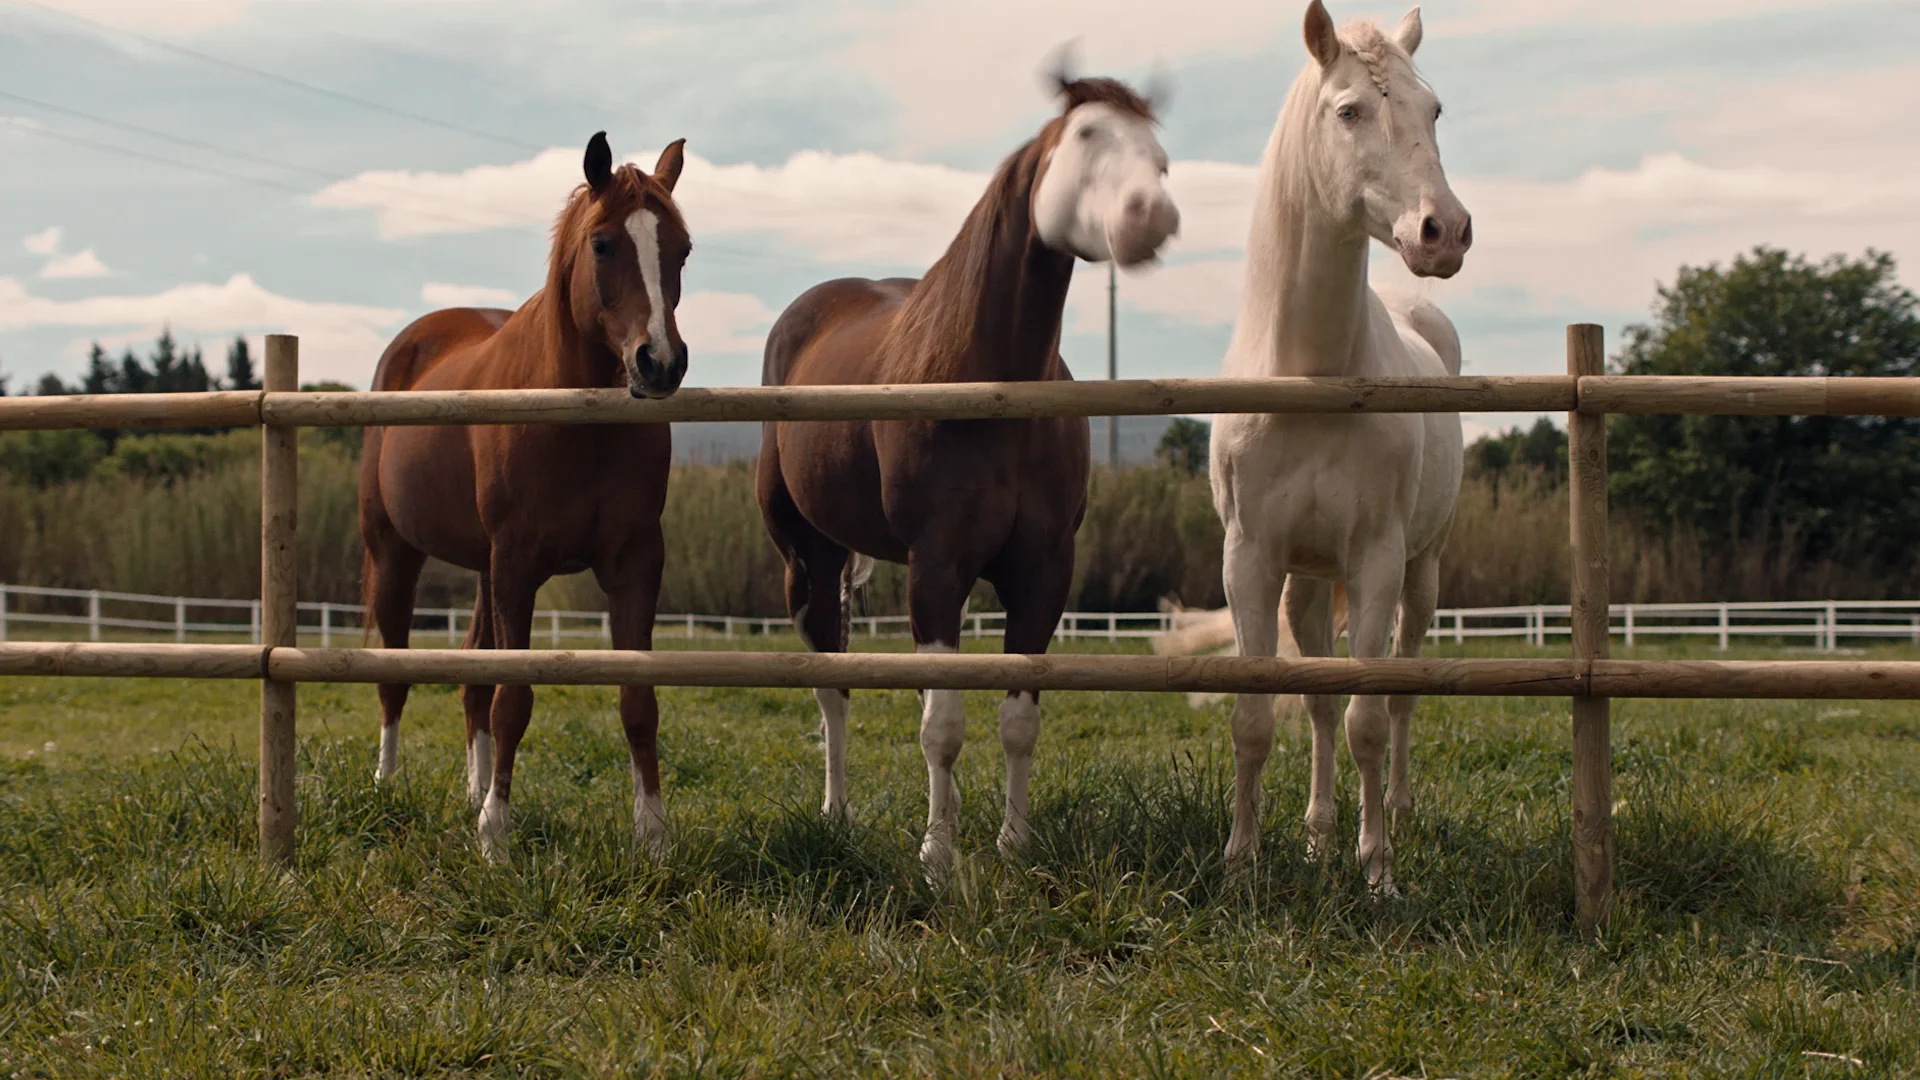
958 500
521 503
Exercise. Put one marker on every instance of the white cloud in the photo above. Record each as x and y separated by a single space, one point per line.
337 341
1484 16
840 207
81 264
177 16
172 15
45 242
835 207
955 68
722 322
436 294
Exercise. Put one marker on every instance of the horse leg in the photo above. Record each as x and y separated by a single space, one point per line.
477 702
1373 593
513 590
817 602
632 585
1034 592
1310 613
395 568
1420 595
936 595
1253 597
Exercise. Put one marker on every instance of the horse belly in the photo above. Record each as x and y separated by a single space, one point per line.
834 479
427 488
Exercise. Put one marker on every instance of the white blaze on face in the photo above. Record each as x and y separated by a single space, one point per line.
644 227
1107 161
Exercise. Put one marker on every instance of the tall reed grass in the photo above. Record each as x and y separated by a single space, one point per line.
1150 533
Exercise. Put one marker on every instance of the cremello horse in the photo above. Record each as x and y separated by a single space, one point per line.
1365 499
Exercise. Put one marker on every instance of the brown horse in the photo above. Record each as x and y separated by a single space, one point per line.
521 503
964 499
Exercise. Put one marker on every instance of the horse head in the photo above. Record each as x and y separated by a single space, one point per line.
1102 193
1374 158
629 245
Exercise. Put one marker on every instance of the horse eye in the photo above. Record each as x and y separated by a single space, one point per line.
1347 113
602 247
1436 114
1086 133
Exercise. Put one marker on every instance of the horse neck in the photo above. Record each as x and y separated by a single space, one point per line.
1017 325
1304 308
544 348
1006 291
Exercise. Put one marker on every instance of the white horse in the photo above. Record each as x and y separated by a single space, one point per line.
1365 499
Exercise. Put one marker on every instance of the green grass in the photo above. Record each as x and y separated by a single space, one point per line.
1768 863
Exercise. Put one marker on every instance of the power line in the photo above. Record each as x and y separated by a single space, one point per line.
126 151
259 159
288 81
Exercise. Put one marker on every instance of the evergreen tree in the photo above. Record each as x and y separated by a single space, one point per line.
240 375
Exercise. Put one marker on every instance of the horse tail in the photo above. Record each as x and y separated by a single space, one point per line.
858 572
368 627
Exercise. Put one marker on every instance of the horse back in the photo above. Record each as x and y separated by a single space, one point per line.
432 338
831 333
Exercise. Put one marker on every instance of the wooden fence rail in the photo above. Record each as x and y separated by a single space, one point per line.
1727 396
1589 678
1442 677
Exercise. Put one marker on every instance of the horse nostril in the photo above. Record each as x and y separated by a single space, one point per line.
1137 205
1429 231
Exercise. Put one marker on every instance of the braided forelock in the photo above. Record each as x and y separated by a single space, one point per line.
1373 49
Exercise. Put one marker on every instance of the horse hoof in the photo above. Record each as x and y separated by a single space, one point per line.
936 858
1012 845
1241 852
835 812
1385 891
651 842
493 830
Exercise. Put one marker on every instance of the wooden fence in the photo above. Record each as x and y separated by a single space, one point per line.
1589 678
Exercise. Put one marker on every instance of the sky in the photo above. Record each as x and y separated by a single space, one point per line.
336 168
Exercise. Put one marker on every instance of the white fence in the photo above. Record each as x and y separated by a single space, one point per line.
1819 623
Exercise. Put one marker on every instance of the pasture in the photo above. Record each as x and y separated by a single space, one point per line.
1765 925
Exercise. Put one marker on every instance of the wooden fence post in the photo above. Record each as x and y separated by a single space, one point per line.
279 504
1592 716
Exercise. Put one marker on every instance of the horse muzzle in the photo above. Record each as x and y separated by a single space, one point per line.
650 377
1146 221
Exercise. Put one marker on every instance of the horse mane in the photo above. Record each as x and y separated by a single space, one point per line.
1286 174
629 187
937 323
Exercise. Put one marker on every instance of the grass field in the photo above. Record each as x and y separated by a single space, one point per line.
1768 921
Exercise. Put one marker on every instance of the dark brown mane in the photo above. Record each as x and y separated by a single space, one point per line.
1112 92
936 323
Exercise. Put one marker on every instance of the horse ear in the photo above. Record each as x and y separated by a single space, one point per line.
1322 42
667 169
1057 77
1159 89
1407 34
599 163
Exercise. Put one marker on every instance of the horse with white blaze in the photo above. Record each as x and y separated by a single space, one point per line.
1365 499
960 500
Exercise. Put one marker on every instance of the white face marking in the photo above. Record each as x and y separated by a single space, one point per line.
644 227
1106 159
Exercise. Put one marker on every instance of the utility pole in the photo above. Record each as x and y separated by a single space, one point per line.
1113 362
